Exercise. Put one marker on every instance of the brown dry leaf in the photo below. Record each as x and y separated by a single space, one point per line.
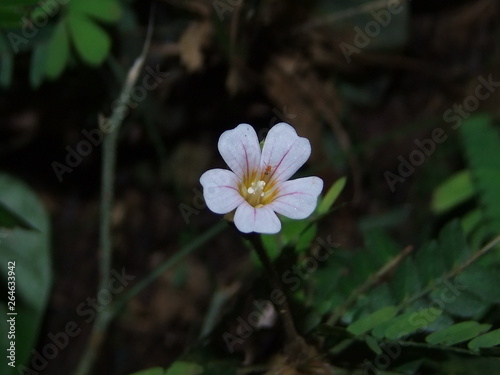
191 44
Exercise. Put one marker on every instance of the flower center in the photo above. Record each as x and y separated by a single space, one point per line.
258 189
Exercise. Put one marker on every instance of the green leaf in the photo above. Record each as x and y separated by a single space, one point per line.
464 304
452 192
91 41
103 10
273 245
430 263
373 345
30 251
482 282
406 281
11 219
482 146
57 51
380 244
331 196
380 296
457 333
485 341
150 371
471 225
453 245
184 368
297 233
411 322
369 322
306 238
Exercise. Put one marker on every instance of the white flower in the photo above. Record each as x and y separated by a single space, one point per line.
257 185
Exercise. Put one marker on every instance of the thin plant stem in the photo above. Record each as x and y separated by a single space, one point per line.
168 263
295 342
112 126
368 284
456 271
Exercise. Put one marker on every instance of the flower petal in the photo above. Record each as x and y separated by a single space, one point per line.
284 151
261 220
220 190
240 149
298 198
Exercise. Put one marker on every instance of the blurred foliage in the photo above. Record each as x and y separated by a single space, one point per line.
25 242
418 293
50 29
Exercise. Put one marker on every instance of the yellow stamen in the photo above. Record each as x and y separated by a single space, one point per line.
258 189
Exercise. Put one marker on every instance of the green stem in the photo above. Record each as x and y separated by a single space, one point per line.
367 285
295 343
456 271
173 260
111 127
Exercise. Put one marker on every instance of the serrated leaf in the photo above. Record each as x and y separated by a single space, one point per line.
372 320
457 333
452 192
91 41
57 51
103 10
485 341
331 196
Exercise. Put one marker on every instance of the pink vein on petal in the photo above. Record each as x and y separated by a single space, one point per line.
281 161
